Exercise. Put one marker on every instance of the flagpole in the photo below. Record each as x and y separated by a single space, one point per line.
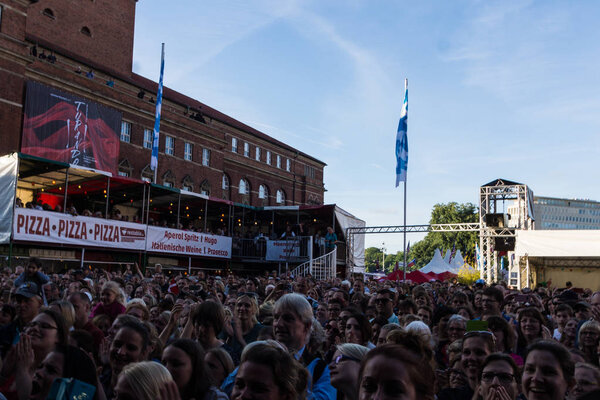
405 230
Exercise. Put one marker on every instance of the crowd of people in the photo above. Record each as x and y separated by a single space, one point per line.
153 335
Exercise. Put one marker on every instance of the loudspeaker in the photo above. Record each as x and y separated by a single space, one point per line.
504 244
495 220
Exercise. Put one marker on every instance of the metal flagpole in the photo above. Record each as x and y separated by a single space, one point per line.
405 230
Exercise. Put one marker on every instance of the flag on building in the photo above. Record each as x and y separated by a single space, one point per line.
154 159
402 140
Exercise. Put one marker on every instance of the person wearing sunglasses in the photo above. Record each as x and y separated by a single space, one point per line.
344 369
500 378
384 303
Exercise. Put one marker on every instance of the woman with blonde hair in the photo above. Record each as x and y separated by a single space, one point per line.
588 339
112 301
244 326
67 311
344 368
145 380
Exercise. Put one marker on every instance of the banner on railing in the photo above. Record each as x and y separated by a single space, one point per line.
51 227
188 243
282 250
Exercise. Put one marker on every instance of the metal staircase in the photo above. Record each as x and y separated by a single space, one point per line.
320 268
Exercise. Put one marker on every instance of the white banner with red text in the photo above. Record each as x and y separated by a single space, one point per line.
164 240
282 250
52 227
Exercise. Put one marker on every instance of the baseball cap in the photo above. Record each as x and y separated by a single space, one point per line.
28 289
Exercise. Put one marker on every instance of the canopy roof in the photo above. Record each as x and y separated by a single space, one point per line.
437 264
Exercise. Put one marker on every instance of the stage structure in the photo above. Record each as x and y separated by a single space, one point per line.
497 228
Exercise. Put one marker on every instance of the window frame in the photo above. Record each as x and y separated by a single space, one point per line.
257 154
172 147
246 149
268 158
125 135
188 155
147 144
234 145
206 157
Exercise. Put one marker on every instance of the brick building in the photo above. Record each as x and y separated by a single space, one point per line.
201 149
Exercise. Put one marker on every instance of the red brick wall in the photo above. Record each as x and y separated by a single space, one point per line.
111 23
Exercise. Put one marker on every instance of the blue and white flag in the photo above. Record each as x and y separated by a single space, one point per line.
154 159
402 140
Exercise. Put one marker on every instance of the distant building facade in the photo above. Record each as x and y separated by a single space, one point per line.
85 48
555 213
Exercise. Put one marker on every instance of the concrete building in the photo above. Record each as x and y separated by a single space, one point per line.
555 213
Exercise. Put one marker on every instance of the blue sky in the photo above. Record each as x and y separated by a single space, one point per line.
497 89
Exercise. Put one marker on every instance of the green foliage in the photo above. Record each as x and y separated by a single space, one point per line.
373 257
449 213
468 276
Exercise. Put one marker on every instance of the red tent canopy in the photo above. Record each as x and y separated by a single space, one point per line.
415 276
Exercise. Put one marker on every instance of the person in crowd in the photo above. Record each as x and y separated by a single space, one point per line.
131 344
569 334
530 328
562 313
548 373
41 336
112 303
81 305
391 371
492 300
208 320
62 362
220 364
33 273
587 382
244 326
146 380
184 358
344 369
358 330
384 303
457 326
67 311
28 304
268 371
589 339
500 378
7 314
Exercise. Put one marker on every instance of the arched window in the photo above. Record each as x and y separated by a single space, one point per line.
280 198
225 182
205 188
48 13
263 192
125 168
147 174
244 187
86 31
187 183
168 179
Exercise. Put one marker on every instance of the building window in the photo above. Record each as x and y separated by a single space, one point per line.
125 168
168 184
280 198
244 187
148 134
257 154
168 179
187 183
48 13
206 157
309 171
234 145
205 188
268 157
147 174
125 131
288 165
86 31
263 192
246 149
187 151
225 182
278 161
169 145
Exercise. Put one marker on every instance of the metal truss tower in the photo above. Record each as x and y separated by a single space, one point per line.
504 208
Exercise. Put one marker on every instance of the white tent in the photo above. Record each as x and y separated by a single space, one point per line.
457 262
447 256
437 264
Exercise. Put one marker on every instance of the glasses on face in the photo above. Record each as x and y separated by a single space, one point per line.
40 325
503 377
382 300
341 358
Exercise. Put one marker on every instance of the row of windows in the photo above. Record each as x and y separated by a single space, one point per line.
570 218
560 225
188 148
567 203
263 190
257 155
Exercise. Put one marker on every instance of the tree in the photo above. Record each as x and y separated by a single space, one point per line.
373 257
450 213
